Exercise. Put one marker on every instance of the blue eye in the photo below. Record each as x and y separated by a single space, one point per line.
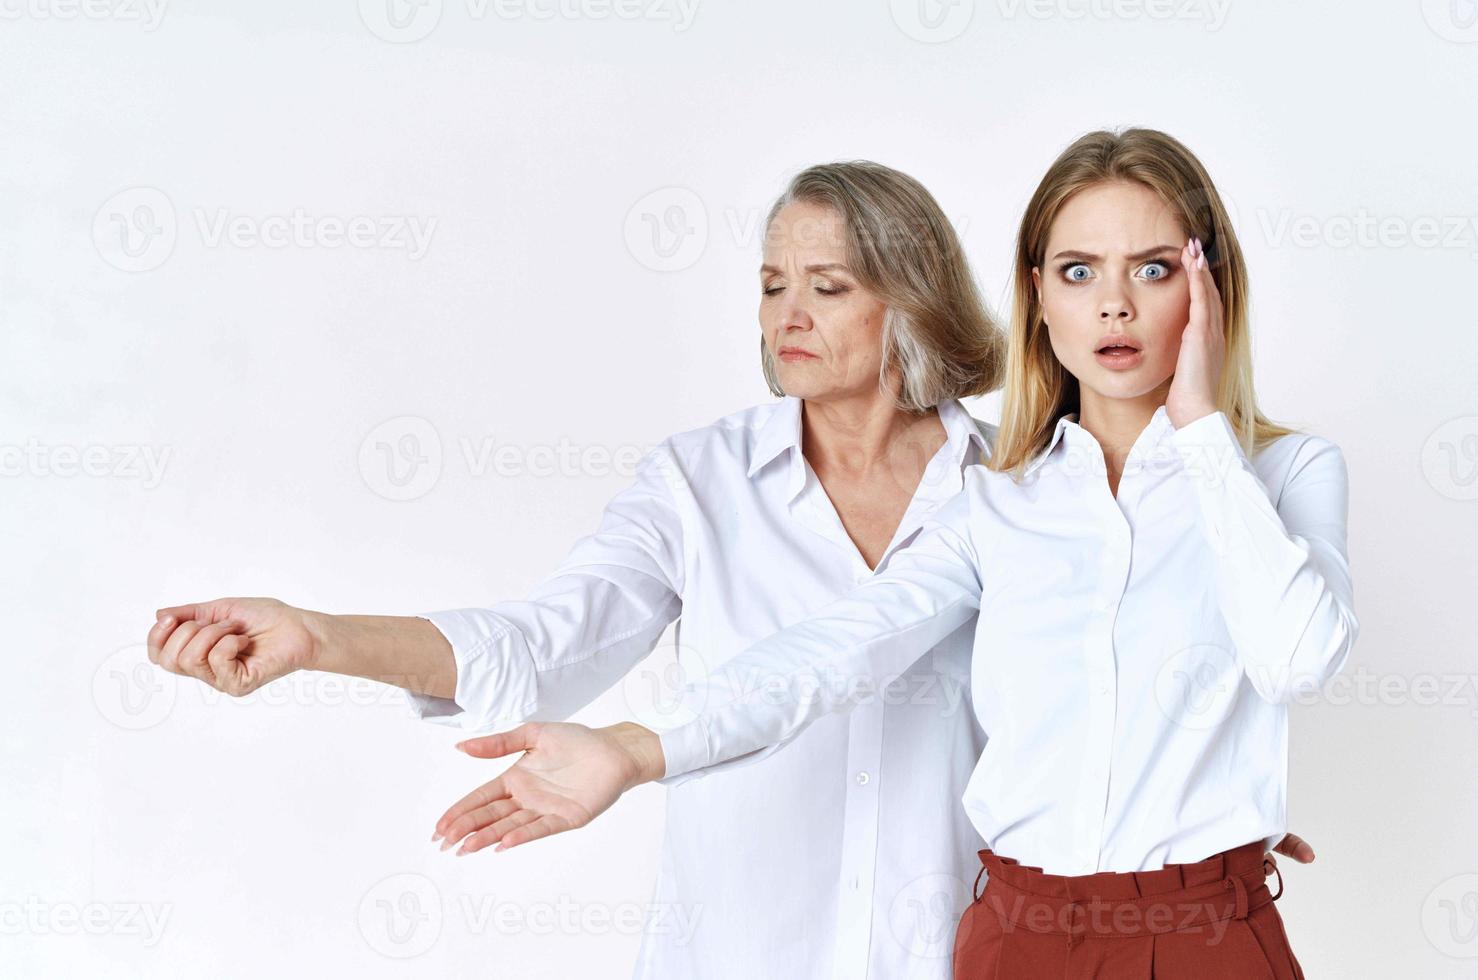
1160 270
1076 272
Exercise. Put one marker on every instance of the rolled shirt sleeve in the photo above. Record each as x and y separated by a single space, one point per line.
580 630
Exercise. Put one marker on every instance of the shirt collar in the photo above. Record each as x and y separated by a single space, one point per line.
782 431
779 432
1158 428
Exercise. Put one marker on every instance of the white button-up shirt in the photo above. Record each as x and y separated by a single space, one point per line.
1135 655
846 856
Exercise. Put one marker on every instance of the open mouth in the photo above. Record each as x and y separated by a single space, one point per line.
1118 352
1117 343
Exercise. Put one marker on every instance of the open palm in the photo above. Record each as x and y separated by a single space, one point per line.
569 775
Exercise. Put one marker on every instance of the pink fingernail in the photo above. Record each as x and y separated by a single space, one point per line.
1201 262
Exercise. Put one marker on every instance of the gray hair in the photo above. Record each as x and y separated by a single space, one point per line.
937 333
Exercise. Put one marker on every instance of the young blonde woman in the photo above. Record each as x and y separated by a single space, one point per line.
1157 568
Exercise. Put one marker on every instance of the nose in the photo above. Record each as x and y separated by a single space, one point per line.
793 314
1115 307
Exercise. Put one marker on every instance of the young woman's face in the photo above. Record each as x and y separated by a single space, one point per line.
1112 276
823 329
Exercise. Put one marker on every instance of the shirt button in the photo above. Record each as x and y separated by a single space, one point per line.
862 778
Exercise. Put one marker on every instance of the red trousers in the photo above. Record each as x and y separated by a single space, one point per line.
1211 920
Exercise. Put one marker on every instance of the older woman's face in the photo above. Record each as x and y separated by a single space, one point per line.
823 329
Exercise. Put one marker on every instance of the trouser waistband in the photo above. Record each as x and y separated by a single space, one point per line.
1175 898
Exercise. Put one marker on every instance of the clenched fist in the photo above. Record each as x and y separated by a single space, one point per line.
234 645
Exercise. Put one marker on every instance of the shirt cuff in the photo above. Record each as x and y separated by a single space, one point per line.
685 750
494 690
1209 449
1213 459
1209 432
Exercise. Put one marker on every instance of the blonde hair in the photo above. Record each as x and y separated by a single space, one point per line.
937 331
1038 388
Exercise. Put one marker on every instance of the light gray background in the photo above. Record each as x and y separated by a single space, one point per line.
188 415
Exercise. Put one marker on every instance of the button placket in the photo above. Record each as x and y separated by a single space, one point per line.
1102 663
859 838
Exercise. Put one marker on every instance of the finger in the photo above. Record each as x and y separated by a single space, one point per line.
169 654
494 834
484 816
495 746
1208 286
194 658
545 826
227 663
484 795
1197 281
201 612
1295 847
158 635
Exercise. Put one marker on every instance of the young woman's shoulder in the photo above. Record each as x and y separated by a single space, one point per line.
1298 459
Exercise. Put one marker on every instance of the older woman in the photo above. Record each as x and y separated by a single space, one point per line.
871 330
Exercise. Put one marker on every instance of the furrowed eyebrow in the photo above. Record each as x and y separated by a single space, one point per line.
1148 253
